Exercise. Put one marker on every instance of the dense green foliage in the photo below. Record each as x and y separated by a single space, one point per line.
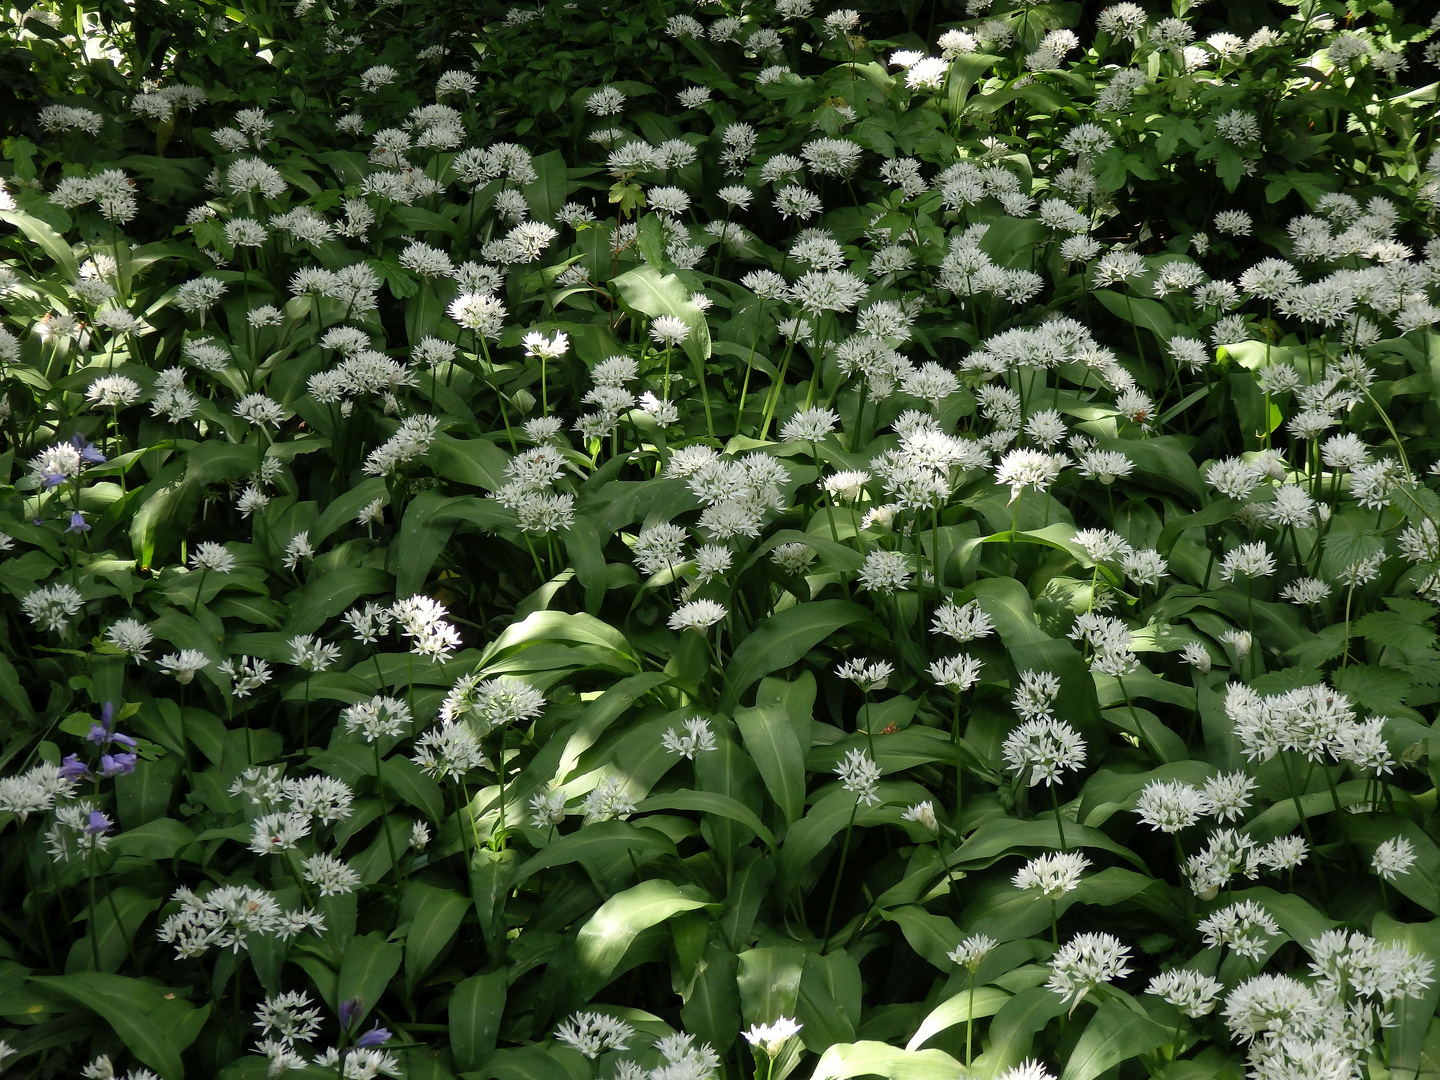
561 543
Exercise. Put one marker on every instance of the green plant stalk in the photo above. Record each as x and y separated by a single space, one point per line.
839 875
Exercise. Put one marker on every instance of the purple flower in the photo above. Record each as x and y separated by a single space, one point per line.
72 768
78 524
87 450
117 764
350 1011
104 733
99 823
376 1036
52 480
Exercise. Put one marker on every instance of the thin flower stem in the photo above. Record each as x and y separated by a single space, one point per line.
839 875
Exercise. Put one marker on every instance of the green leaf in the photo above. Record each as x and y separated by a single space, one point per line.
1114 1034
879 1059
769 981
931 936
369 964
560 626
47 239
434 915
777 732
158 840
712 1000
608 933
828 1007
404 777
986 1001
781 639
711 802
1008 604
127 1006
476 1007
477 463
604 841
645 290
1013 1030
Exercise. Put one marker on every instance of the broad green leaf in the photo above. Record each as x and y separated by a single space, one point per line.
777 732
369 964
931 936
879 1059
476 1006
829 1003
434 915
522 1063
1008 604
127 1005
1114 1034
711 802
477 463
404 777
712 1000
645 290
46 239
1141 312
769 981
780 640
560 626
1000 835
608 933
1013 1030
985 1001
609 841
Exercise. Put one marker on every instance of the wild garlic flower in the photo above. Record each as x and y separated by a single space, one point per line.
770 1039
1192 993
609 799
547 807
886 572
963 622
698 615
1229 794
449 752
956 673
380 717
290 1016
131 637
279 831
1171 805
1035 696
1245 927
247 674
327 799
1054 874
1393 857
1044 747
861 776
971 952
1252 560
698 739
185 664
422 619
1273 1005
213 558
1087 961
329 875
866 674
